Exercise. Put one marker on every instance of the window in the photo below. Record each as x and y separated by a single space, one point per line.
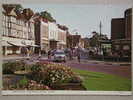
25 24
9 24
126 47
3 23
9 32
6 24
9 19
3 30
117 47
3 17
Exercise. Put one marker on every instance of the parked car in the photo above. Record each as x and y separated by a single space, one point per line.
59 55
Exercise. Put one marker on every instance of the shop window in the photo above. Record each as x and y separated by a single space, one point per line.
126 47
117 47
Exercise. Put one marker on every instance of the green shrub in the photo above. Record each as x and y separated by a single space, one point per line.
23 83
11 67
8 68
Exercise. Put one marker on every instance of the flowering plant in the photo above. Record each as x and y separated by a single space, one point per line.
52 73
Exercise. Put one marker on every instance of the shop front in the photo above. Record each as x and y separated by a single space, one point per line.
14 46
123 46
53 44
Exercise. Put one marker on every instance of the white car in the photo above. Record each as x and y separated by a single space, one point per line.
59 55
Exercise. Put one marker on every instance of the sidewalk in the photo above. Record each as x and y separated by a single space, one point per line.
13 57
101 62
18 57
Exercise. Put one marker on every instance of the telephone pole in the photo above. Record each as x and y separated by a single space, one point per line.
100 28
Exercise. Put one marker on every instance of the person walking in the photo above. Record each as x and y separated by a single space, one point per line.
78 54
49 54
70 54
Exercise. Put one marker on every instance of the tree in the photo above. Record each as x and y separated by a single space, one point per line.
47 15
63 27
9 7
28 13
18 7
96 38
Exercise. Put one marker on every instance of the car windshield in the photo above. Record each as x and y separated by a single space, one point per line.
59 53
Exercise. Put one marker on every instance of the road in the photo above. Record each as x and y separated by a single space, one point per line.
122 69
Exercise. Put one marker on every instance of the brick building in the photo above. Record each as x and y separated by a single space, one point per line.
128 23
121 30
117 28
73 40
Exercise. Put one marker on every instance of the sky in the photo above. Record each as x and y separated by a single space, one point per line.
83 19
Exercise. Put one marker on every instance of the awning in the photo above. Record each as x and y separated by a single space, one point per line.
61 42
4 43
33 45
16 44
53 40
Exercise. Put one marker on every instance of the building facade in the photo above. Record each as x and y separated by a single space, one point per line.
53 35
17 32
73 41
61 38
117 28
121 35
128 23
44 30
82 43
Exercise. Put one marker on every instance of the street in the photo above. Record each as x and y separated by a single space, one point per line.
122 69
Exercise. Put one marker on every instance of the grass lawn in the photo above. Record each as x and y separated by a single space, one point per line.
103 82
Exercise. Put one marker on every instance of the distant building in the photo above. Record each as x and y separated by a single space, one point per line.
121 30
73 41
117 28
86 43
18 31
128 23
82 43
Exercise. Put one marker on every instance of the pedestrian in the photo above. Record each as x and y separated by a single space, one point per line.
78 54
70 54
22 51
49 54
28 52
39 53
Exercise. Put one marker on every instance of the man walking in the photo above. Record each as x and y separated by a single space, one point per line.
78 54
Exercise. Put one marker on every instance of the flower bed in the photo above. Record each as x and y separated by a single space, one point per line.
51 73
43 75
23 84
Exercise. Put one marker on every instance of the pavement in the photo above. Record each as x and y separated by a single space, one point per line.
17 57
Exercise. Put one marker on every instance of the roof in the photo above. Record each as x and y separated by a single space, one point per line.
8 8
25 14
